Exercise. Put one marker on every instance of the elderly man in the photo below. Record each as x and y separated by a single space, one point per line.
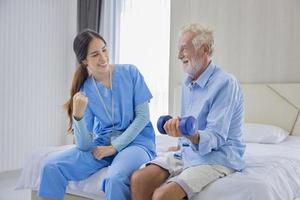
216 150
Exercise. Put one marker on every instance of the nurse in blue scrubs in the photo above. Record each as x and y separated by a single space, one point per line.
109 116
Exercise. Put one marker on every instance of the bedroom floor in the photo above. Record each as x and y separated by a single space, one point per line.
8 181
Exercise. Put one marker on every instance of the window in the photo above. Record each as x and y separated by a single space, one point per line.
144 41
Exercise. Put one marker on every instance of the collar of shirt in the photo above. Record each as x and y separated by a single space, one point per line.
203 78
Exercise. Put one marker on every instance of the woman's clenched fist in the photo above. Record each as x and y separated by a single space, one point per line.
79 105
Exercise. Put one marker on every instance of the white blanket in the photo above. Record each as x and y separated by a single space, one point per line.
273 173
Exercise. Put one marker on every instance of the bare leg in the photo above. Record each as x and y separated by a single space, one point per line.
170 191
146 180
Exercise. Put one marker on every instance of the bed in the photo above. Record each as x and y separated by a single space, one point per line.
272 135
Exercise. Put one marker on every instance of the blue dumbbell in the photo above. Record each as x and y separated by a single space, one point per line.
187 125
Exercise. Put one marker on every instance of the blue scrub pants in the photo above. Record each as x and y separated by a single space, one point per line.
76 165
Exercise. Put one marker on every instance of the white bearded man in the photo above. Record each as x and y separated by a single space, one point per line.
216 149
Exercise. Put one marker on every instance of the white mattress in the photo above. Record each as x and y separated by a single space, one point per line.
273 173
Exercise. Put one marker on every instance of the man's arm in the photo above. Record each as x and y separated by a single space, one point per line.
219 118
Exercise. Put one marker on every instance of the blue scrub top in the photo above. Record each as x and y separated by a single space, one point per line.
128 90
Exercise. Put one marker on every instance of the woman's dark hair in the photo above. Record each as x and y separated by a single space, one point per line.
80 47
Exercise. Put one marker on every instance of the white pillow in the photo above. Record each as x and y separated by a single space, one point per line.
263 133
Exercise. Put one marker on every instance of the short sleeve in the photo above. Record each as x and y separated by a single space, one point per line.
141 92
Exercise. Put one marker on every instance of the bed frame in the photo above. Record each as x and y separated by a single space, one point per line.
275 104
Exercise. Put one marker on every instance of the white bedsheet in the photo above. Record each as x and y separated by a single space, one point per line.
273 173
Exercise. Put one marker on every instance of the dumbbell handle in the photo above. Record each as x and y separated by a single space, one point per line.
187 125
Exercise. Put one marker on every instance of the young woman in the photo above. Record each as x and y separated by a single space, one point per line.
109 116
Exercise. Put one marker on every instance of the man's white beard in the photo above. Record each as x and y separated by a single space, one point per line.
193 67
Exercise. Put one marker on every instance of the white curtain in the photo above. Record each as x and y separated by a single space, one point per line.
138 32
110 26
144 41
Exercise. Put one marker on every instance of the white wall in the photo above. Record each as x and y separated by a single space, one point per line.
256 40
36 64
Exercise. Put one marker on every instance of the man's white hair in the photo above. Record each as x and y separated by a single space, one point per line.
204 35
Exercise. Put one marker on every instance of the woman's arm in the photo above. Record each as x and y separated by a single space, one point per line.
138 124
83 120
83 137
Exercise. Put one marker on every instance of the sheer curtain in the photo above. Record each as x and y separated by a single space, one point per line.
144 40
110 26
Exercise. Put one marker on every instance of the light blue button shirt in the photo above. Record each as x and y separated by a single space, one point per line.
216 101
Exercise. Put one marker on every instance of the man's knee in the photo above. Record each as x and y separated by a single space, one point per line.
138 178
159 194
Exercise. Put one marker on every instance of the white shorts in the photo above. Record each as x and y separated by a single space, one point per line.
192 179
